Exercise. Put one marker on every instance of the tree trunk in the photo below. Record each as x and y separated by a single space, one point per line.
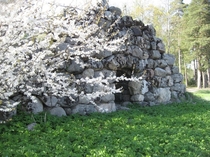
180 69
199 79
204 80
185 75
195 70
198 75
208 77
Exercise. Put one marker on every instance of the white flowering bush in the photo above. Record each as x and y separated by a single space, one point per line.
34 56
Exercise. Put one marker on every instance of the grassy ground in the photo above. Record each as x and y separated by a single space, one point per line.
166 130
203 94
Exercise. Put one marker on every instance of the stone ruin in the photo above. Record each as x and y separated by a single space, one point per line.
131 49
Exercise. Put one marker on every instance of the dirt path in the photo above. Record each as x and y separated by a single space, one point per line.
192 89
195 89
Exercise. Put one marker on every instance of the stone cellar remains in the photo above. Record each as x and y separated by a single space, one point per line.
126 54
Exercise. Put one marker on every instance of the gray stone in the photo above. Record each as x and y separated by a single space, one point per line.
153 45
140 41
97 65
122 60
119 107
84 99
175 70
140 65
147 45
107 98
84 109
177 78
168 70
104 24
35 106
107 107
89 73
160 72
169 58
98 88
122 33
130 61
149 97
62 46
163 82
135 51
161 47
170 81
152 30
51 101
174 96
134 87
64 102
31 126
126 103
70 41
127 21
179 87
88 88
144 88
155 54
68 111
106 74
161 63
137 98
58 111
152 104
145 54
112 63
136 31
103 54
151 64
108 15
115 10
76 65
164 95
145 35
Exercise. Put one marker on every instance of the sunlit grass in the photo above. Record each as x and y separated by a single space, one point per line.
165 130
203 94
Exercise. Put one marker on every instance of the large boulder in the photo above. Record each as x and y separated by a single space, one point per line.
58 111
164 95
35 106
84 109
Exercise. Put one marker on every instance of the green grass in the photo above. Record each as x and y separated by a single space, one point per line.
203 94
165 130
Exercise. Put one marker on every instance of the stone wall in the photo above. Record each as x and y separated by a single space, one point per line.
132 58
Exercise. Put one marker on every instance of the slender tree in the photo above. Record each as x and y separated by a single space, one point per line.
176 13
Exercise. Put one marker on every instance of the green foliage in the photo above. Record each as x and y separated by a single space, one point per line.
196 35
165 130
191 82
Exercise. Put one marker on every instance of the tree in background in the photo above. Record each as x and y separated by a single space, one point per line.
149 14
138 10
176 13
196 37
